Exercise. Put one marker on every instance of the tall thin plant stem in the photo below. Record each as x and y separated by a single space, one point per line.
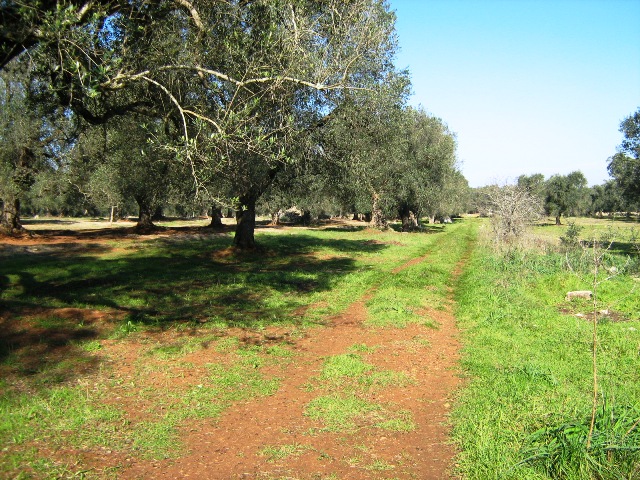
594 355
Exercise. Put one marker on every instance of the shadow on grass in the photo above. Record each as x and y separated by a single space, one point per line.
165 283
627 249
45 221
424 228
343 228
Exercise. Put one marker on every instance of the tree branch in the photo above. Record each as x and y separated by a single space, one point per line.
195 16
120 80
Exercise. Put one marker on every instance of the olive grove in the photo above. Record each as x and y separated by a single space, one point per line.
222 101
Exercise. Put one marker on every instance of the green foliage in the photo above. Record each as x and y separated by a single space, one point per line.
624 166
571 238
391 160
559 451
566 194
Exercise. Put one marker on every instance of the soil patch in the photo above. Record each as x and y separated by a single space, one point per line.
237 445
240 443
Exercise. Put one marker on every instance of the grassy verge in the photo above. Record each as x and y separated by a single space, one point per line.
525 411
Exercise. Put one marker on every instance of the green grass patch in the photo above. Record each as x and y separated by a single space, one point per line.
341 413
344 413
275 453
528 358
349 378
405 296
350 372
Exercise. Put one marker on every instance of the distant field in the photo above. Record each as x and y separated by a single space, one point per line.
620 226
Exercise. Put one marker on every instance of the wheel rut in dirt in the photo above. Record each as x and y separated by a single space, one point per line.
234 446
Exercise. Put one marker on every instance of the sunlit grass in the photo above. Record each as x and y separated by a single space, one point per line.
174 299
528 357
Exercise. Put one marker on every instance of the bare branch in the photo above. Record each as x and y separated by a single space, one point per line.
120 80
194 14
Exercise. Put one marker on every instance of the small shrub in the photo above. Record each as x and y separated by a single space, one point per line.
571 238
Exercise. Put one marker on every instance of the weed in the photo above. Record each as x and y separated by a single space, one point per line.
379 465
361 348
91 346
274 453
571 238
340 413
176 349
401 421
561 451
349 412
348 365
279 351
126 328
227 344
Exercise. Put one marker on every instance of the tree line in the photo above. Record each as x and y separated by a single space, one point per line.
569 195
248 106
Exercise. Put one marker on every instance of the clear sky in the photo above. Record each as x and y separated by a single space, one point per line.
528 86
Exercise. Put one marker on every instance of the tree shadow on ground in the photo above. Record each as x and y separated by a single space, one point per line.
424 228
161 284
343 228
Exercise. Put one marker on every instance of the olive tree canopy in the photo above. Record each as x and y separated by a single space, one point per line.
227 85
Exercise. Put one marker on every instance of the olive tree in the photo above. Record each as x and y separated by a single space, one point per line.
565 194
624 166
234 83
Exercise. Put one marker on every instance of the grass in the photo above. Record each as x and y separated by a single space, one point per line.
347 408
275 453
528 358
169 301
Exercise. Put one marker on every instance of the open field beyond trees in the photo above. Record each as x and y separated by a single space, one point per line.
331 352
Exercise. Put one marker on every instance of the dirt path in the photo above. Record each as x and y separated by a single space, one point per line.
236 445
233 446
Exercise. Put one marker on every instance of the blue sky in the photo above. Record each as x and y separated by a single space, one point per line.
528 86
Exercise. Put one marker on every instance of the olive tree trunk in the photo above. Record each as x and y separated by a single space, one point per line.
10 216
378 220
246 224
275 218
145 216
409 219
216 216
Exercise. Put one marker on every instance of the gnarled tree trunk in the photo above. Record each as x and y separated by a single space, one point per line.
558 220
145 215
216 216
10 217
409 219
246 224
275 217
378 220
